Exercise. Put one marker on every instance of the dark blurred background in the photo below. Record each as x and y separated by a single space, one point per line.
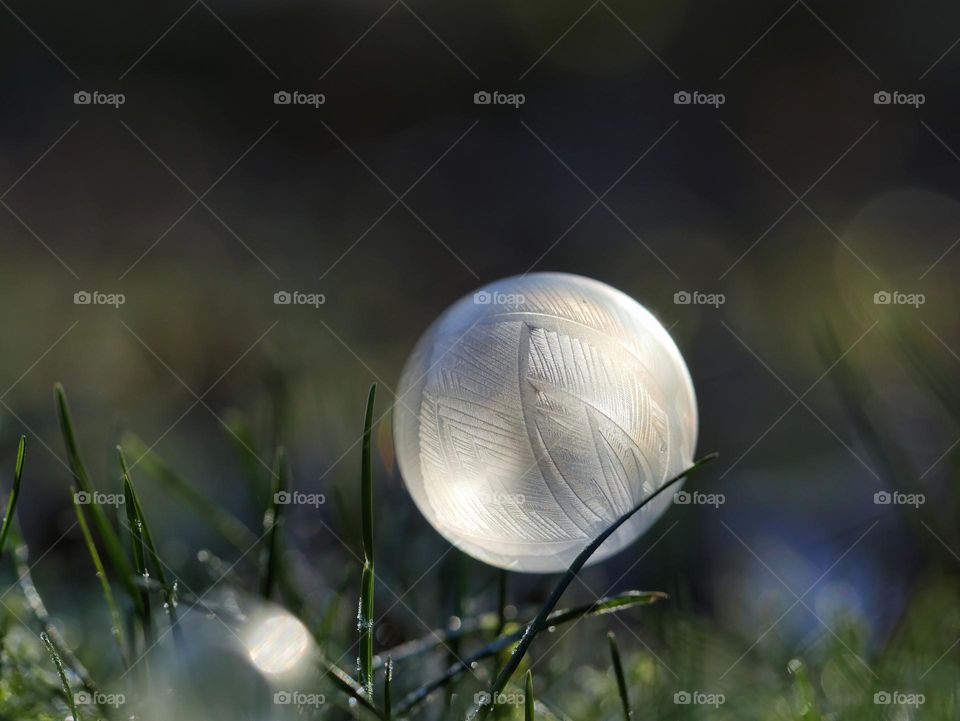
300 198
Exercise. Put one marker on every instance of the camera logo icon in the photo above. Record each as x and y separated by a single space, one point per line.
682 498
882 698
482 698
282 97
882 97
82 498
83 698
682 97
82 97
282 698
682 698
82 297
282 297
282 498
882 498
482 297
682 297
882 297
482 97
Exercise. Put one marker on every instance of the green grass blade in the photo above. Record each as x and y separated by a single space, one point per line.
270 561
152 557
528 698
538 623
67 692
621 680
135 526
108 535
234 531
387 683
613 604
365 614
116 622
344 683
14 494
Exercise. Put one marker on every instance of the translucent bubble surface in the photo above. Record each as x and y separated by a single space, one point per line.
536 411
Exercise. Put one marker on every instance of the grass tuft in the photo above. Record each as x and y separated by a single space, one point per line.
108 535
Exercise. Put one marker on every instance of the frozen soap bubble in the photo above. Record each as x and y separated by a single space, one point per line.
535 412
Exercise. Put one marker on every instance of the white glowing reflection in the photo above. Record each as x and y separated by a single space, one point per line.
277 644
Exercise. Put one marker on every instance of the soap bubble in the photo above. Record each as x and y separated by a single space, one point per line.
535 412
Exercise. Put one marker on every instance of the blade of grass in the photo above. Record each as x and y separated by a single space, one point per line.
341 679
613 604
387 682
365 614
135 526
108 535
116 624
482 710
152 558
234 531
528 698
14 493
618 671
488 623
67 692
270 559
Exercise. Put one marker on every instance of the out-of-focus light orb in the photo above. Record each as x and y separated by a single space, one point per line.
277 644
535 412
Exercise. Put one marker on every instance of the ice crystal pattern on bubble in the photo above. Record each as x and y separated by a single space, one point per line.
537 411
